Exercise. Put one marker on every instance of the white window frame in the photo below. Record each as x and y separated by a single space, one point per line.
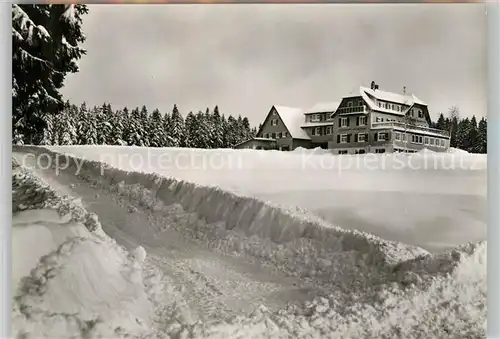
442 143
426 141
329 130
274 122
420 113
285 135
379 119
417 139
343 122
349 104
397 136
432 141
362 120
341 138
317 130
364 137
315 117
379 134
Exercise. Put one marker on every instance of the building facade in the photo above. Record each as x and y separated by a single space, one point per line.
371 121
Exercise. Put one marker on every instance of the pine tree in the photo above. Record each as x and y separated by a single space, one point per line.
177 131
128 127
482 138
156 131
461 137
218 130
191 130
472 136
453 128
232 132
45 47
208 128
118 127
48 132
441 123
104 127
135 128
144 122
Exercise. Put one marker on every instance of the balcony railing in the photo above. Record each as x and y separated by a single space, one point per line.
401 125
353 109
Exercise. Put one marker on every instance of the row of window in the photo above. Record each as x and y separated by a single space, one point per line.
318 117
360 151
278 135
399 108
418 139
345 122
319 130
394 107
361 137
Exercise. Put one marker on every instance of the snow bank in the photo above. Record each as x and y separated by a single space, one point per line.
457 151
69 278
378 288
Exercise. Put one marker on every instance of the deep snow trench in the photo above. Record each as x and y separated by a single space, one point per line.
222 266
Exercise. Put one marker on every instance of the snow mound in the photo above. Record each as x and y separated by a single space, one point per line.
69 278
317 150
457 151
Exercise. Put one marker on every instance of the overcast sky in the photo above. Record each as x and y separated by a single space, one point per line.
245 58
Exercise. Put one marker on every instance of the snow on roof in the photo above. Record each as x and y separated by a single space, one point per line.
392 97
293 118
255 138
323 107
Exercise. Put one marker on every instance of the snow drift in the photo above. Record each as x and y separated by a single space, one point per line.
69 278
378 288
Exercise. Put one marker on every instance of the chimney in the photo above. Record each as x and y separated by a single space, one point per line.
376 86
372 86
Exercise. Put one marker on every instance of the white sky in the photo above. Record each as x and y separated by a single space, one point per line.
245 58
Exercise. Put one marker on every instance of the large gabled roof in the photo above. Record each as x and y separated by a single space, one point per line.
293 118
406 99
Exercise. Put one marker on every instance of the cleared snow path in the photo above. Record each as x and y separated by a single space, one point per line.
212 286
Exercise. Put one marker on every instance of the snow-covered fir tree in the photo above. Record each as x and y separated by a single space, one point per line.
104 127
191 130
135 128
218 130
462 134
482 138
156 131
117 122
177 130
48 137
144 123
45 47
472 136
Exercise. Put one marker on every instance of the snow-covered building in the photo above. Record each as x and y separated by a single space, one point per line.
369 121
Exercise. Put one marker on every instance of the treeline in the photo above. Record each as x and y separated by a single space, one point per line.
466 134
139 127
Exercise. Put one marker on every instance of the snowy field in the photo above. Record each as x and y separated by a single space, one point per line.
436 201
152 256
